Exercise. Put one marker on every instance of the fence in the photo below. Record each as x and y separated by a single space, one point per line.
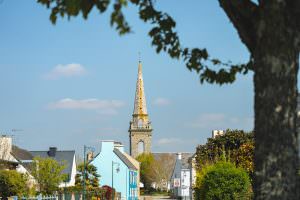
67 196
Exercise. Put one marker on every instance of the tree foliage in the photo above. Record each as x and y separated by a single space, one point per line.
245 157
199 179
147 161
91 177
12 183
155 170
160 170
223 181
236 144
48 174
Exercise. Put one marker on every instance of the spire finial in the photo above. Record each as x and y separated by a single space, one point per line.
139 57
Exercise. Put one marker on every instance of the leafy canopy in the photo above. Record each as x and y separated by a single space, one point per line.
91 177
12 183
147 161
163 34
230 144
48 174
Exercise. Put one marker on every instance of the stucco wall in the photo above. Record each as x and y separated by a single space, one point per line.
103 162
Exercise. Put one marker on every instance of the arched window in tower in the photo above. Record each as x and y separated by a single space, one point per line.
141 147
140 123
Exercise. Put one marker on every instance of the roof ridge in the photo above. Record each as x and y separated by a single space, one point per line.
124 159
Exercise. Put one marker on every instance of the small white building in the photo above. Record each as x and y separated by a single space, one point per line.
192 166
216 133
181 182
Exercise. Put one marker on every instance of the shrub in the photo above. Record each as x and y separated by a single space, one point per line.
223 181
200 177
12 183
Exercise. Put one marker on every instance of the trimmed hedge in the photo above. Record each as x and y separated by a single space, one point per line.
223 181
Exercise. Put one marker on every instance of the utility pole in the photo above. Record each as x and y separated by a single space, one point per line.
85 149
112 177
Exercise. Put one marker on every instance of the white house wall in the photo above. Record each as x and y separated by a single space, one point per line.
185 183
71 182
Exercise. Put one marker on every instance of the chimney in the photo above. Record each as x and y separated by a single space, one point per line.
120 146
5 147
52 151
179 156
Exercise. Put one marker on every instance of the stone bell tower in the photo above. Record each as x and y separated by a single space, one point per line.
140 130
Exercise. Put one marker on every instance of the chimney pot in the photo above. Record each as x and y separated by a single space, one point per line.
179 156
52 151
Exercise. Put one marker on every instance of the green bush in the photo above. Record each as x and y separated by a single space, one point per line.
12 183
199 179
223 181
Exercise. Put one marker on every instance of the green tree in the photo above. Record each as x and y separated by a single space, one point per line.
199 179
270 30
245 156
146 165
12 183
91 177
230 144
223 181
160 171
48 174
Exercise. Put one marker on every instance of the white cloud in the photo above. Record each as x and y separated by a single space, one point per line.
68 70
108 107
221 121
161 101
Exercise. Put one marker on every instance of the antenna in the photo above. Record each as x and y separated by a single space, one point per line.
16 130
15 136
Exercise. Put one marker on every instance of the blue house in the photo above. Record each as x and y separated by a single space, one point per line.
117 169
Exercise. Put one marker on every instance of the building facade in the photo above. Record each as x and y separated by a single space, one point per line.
181 183
117 169
22 159
61 156
140 129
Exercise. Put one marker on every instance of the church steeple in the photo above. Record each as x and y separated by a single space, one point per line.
140 130
140 109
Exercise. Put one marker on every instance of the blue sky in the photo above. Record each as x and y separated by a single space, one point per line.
73 83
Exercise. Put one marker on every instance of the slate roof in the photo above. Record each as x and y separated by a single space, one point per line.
184 162
158 155
172 160
60 156
21 154
124 159
185 157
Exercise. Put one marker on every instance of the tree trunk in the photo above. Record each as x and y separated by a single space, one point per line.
276 139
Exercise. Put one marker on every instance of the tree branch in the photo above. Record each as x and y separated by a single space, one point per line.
243 14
